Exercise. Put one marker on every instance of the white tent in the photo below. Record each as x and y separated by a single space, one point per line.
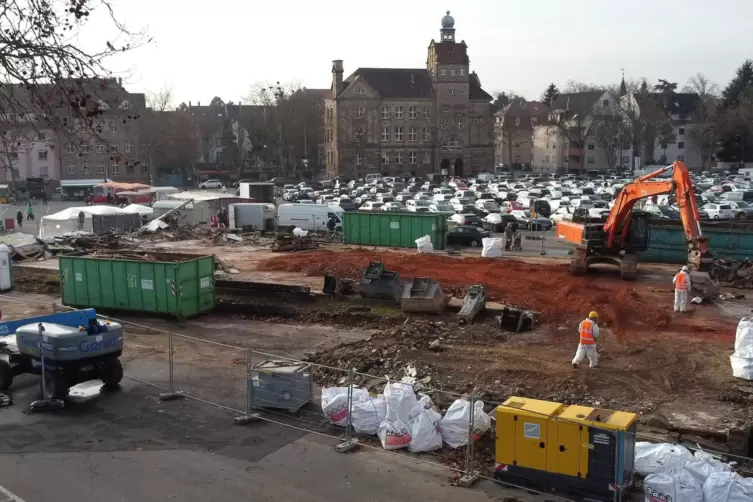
66 221
138 209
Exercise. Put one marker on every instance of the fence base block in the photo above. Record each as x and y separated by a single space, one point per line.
171 396
468 480
347 446
246 419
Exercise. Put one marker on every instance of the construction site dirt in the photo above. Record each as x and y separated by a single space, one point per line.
652 359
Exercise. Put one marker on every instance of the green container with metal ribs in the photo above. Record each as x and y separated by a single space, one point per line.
394 229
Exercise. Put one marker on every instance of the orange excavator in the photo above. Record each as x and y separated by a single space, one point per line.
625 231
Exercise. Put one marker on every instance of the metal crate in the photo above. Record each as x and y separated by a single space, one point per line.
281 384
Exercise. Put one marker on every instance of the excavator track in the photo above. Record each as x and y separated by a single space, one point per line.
578 262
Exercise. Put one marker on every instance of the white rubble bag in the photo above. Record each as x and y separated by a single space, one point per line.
394 431
335 403
491 247
368 414
454 424
424 403
425 435
299 232
742 359
704 465
651 458
727 487
672 485
424 244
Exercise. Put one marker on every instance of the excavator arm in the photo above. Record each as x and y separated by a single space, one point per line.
618 222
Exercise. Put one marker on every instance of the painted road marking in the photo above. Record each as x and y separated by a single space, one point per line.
8 496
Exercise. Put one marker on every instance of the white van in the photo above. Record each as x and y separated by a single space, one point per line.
308 216
373 177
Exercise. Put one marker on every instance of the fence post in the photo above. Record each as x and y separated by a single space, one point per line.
471 475
616 481
249 416
172 394
350 443
543 240
54 308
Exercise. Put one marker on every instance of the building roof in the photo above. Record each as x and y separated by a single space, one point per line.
577 102
675 103
396 82
522 108
474 88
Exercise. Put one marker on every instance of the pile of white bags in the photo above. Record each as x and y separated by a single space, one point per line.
672 485
454 424
742 359
492 247
400 420
653 458
424 244
705 465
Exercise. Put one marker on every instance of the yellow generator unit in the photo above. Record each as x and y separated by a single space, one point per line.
587 450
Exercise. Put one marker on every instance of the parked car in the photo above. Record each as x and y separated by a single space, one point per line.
371 206
742 209
211 184
488 206
498 222
466 219
719 211
466 235
441 207
392 206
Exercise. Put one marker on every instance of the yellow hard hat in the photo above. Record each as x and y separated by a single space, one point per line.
593 315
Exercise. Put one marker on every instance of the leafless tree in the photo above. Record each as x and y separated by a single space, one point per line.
610 132
577 128
359 130
704 129
46 80
512 132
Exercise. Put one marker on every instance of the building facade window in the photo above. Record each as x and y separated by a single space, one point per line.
411 112
115 168
144 168
385 158
69 148
399 158
129 148
590 159
385 112
412 157
681 158
42 154
591 146
129 168
412 134
680 145
100 148
425 135
71 168
461 72
359 159
113 147
385 133
41 136
113 127
452 91
100 168
360 111
398 112
445 146
443 72
85 168
86 149
459 122
681 131
359 90
426 113
446 110
43 171
427 158
398 134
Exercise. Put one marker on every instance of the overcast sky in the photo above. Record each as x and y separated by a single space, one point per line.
223 47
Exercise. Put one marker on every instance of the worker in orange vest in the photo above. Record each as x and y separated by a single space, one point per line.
682 286
588 329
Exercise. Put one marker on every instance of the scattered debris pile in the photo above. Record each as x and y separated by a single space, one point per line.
737 273
290 242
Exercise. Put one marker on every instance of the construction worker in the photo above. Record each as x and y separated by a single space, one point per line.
588 329
682 286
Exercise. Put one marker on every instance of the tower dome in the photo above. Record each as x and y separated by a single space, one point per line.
448 21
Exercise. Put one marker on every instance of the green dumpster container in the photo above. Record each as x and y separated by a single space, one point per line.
179 285
394 229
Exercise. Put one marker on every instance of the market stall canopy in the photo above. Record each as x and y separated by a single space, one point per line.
83 183
201 195
66 221
138 208
124 186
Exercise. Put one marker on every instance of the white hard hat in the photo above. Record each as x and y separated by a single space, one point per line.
684 268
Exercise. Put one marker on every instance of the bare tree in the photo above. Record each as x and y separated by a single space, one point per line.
578 128
359 130
512 132
610 133
46 80
703 86
704 129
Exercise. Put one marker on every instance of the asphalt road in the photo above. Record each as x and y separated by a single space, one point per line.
128 446
30 226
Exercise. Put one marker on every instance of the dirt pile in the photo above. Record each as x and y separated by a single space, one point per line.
549 289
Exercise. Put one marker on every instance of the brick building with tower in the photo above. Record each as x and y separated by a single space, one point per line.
436 119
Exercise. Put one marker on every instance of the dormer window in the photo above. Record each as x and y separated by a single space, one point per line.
359 90
125 105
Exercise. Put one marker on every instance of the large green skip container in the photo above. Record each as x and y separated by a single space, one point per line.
731 240
394 229
172 284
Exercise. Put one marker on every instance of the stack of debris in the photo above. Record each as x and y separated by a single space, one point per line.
291 242
738 273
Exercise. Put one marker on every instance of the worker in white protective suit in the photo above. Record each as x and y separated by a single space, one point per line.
588 331
682 286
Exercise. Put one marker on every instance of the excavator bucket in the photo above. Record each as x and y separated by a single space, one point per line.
703 285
